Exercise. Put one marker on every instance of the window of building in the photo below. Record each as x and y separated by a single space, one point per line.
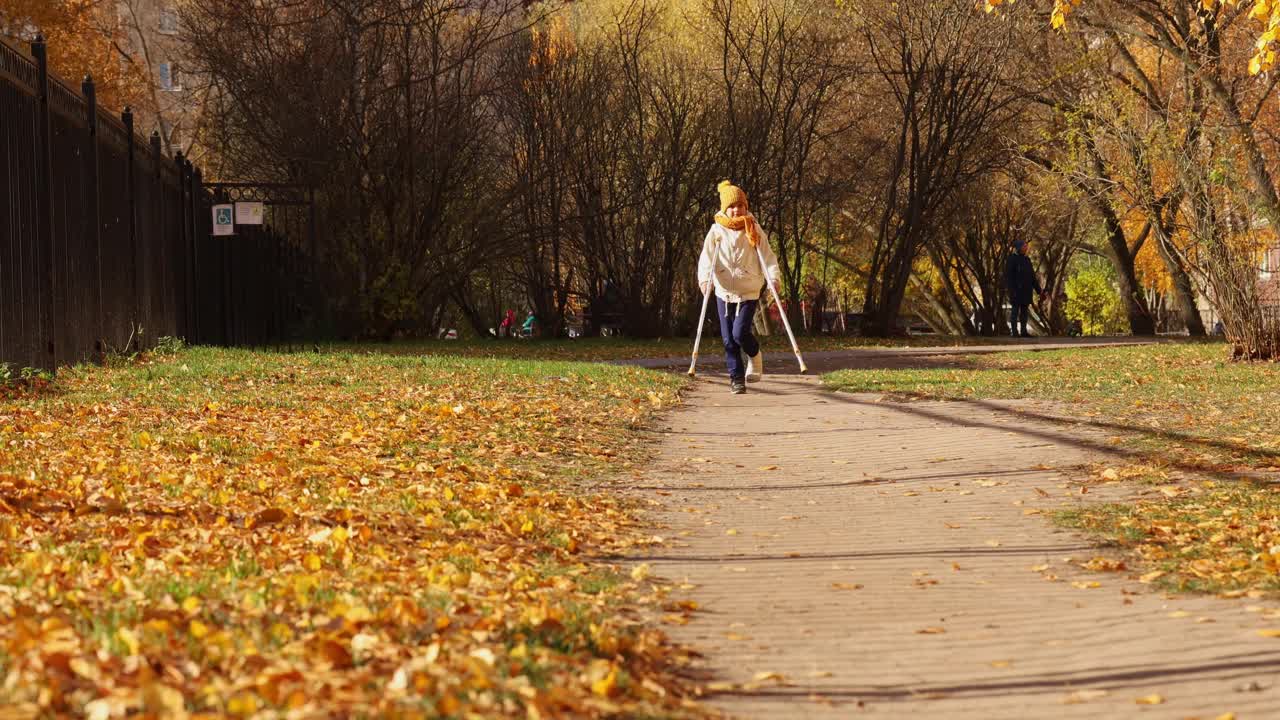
1271 260
168 21
169 77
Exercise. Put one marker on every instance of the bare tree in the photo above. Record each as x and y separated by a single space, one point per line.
941 70
642 164
786 73
383 105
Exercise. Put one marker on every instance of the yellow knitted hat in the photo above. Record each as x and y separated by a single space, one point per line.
730 194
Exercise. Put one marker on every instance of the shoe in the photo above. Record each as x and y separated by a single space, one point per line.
737 387
1025 335
755 367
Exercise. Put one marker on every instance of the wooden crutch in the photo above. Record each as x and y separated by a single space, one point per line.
702 316
702 320
782 312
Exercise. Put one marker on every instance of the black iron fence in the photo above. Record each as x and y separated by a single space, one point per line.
105 241
253 286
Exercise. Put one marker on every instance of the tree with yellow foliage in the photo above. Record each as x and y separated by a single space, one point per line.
1203 158
1215 43
83 38
1265 12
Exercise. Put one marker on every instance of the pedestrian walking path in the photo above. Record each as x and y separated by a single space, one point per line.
823 361
852 557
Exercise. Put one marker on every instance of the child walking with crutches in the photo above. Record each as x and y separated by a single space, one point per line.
732 256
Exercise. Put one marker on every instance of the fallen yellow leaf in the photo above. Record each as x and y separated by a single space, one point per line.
164 702
129 638
716 687
607 685
1083 696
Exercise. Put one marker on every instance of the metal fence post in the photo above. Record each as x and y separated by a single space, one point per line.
156 250
93 212
311 264
134 260
181 247
44 205
228 299
196 185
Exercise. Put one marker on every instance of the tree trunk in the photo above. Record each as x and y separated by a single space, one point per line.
938 314
473 314
1184 293
1135 304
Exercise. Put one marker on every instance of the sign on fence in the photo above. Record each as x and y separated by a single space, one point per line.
248 213
223 220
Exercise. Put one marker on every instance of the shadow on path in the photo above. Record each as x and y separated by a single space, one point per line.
1104 678
878 480
943 552
1062 438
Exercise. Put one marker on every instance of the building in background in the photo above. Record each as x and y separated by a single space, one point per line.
151 33
132 48
1269 279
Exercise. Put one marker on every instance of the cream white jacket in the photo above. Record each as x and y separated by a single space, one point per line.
737 274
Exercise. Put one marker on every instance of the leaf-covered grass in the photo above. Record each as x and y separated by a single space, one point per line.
1203 429
350 534
1210 537
613 348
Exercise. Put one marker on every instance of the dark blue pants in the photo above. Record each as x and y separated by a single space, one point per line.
1018 317
735 329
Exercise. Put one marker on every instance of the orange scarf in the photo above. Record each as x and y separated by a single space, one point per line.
742 222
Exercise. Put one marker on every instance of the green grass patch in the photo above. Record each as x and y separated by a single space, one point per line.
1182 397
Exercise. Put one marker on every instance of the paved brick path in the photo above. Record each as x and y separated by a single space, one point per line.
886 568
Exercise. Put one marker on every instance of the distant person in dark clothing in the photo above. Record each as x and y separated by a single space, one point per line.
1023 285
